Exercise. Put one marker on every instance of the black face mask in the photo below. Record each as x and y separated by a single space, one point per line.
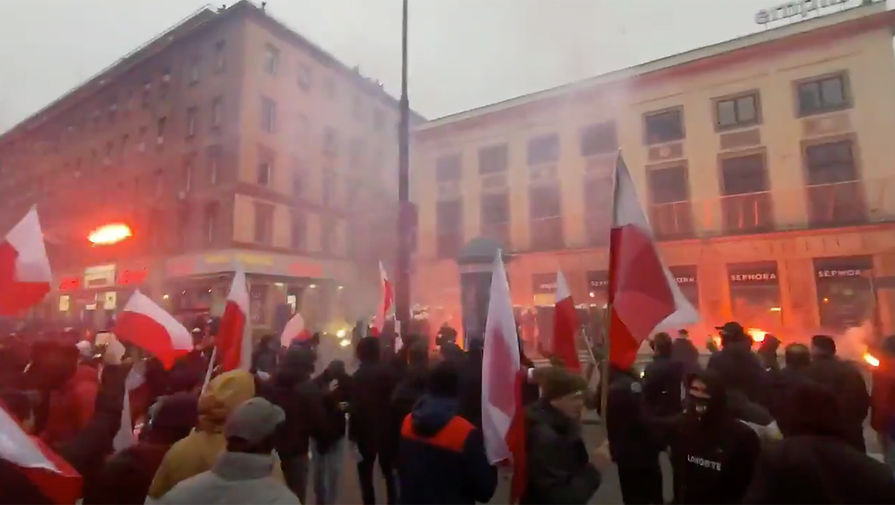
697 407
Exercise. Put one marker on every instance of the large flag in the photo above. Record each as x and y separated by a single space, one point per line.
295 330
642 292
48 473
234 337
385 301
503 423
24 268
146 325
125 436
565 325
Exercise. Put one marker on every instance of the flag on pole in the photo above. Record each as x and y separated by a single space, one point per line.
642 291
502 379
295 330
565 325
24 268
234 339
385 301
125 436
50 475
146 325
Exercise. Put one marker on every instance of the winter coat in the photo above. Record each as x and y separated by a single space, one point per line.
818 469
882 399
373 385
302 401
442 456
845 381
409 390
630 440
739 369
783 383
558 465
333 415
235 478
71 407
662 381
125 477
470 392
684 352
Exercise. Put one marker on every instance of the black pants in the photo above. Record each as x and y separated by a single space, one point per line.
641 482
295 471
369 453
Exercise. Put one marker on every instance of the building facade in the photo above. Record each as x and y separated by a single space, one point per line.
765 165
227 139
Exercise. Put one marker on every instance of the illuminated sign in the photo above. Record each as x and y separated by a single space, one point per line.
99 276
69 284
109 234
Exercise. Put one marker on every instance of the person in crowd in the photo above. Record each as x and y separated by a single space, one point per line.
737 367
328 446
816 462
265 355
797 358
126 476
767 353
882 401
14 357
632 444
241 474
200 449
442 455
471 384
662 378
845 381
684 352
373 385
410 388
301 400
559 467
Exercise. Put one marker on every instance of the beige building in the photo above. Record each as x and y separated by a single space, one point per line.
765 164
229 138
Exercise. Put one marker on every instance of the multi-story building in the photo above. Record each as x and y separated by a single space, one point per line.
229 138
764 163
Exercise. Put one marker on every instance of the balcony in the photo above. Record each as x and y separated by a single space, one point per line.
837 204
747 212
672 220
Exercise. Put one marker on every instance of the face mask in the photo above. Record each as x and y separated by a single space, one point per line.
697 406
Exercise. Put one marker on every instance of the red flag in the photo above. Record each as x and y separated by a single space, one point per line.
234 339
295 329
24 268
503 422
148 326
642 292
565 325
385 302
51 475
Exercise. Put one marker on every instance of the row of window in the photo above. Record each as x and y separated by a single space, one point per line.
330 240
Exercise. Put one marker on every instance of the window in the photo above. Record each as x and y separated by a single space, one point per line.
326 235
265 171
830 163
263 223
271 59
217 111
330 141
664 126
188 173
449 228
214 164
211 223
448 168
298 176
823 95
145 95
124 140
165 85
493 159
299 231
744 174
668 185
747 206
160 129
357 108
545 216
191 117
737 111
327 189
355 154
302 129
220 61
598 138
543 149
670 208
268 115
194 70
835 191
304 76
597 209
141 145
110 146
496 216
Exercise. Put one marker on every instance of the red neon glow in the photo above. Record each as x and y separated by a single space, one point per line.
108 234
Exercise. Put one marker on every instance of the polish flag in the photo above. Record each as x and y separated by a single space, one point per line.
50 475
565 325
385 303
24 268
234 338
503 423
642 292
149 327
295 330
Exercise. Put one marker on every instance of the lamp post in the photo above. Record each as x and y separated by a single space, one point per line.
402 284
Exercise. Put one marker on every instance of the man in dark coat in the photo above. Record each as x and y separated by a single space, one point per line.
845 381
737 367
471 384
328 445
662 379
684 352
442 455
797 359
815 462
410 388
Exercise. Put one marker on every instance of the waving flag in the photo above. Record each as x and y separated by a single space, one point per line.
234 337
565 325
146 325
642 292
24 268
295 330
385 301
502 378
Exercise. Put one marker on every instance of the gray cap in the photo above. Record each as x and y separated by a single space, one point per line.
254 420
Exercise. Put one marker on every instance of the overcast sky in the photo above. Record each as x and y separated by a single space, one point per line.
463 53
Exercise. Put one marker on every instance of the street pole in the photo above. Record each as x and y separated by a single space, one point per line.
402 286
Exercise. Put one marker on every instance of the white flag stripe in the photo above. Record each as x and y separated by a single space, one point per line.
141 304
18 448
239 293
32 264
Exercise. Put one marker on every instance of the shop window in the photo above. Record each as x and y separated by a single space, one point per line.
688 282
755 294
844 292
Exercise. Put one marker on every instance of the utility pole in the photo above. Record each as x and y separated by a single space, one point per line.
402 284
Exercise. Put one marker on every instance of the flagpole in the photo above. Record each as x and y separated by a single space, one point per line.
214 353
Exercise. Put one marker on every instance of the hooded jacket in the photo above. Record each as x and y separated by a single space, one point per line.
71 407
200 449
845 381
442 456
236 478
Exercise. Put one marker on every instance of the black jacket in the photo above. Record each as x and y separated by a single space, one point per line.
559 469
783 383
684 352
442 457
817 469
630 439
409 390
471 388
302 402
333 415
845 381
739 369
373 384
126 476
662 381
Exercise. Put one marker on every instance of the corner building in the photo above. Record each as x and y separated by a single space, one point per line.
765 165
228 138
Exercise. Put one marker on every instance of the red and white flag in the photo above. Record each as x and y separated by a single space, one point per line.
385 301
565 325
234 338
295 330
24 268
503 423
50 475
642 292
149 327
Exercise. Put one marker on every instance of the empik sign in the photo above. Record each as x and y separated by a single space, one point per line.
799 8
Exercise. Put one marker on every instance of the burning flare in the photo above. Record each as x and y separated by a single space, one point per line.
756 334
871 360
110 234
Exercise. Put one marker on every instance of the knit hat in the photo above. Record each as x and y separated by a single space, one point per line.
557 382
254 420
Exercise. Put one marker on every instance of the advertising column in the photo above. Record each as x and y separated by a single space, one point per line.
755 294
844 291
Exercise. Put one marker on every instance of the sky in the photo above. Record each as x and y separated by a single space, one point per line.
463 53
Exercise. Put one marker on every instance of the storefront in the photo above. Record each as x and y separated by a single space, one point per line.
755 294
687 281
844 291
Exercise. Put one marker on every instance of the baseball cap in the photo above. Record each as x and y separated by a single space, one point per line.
254 420
731 328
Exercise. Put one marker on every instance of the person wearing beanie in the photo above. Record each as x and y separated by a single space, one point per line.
559 466
442 455
242 473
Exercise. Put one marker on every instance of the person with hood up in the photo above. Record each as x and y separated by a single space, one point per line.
126 476
442 455
816 462
200 449
684 352
559 467
736 366
797 359
409 390
241 474
767 353
662 378
328 446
